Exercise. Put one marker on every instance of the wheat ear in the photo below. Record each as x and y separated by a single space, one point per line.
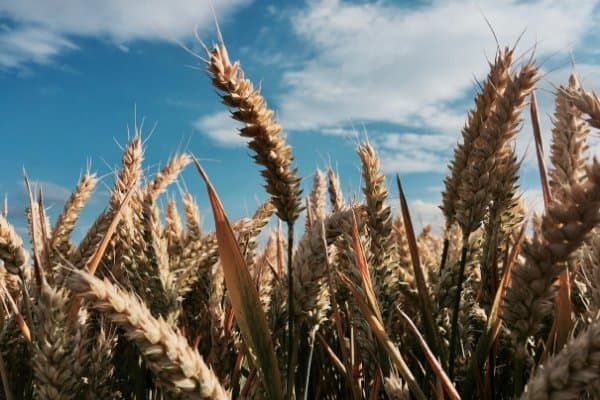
336 197
379 226
131 171
569 145
193 224
310 268
588 103
65 223
173 231
53 347
271 151
501 128
178 367
529 298
317 198
571 372
12 252
493 87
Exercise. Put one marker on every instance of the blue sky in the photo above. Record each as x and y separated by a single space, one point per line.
75 74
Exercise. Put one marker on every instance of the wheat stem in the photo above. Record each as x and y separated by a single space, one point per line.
455 310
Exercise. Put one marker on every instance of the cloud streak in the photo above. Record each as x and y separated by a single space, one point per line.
28 44
44 29
221 129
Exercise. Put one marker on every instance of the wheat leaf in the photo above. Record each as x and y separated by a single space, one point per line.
244 297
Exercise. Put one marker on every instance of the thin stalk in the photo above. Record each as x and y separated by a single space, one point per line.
291 325
26 297
454 326
539 150
235 390
5 381
431 332
310 358
518 374
489 339
488 267
139 375
444 253
337 316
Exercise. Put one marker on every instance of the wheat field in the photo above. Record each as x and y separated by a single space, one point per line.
357 306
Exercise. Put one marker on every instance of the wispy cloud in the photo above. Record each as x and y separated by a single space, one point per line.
44 29
414 67
533 200
423 212
381 62
413 152
54 194
427 213
29 44
221 129
54 197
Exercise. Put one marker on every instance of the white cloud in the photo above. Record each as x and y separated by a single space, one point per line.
54 194
422 212
414 67
46 28
221 128
533 200
378 62
117 19
339 131
30 44
427 213
413 152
